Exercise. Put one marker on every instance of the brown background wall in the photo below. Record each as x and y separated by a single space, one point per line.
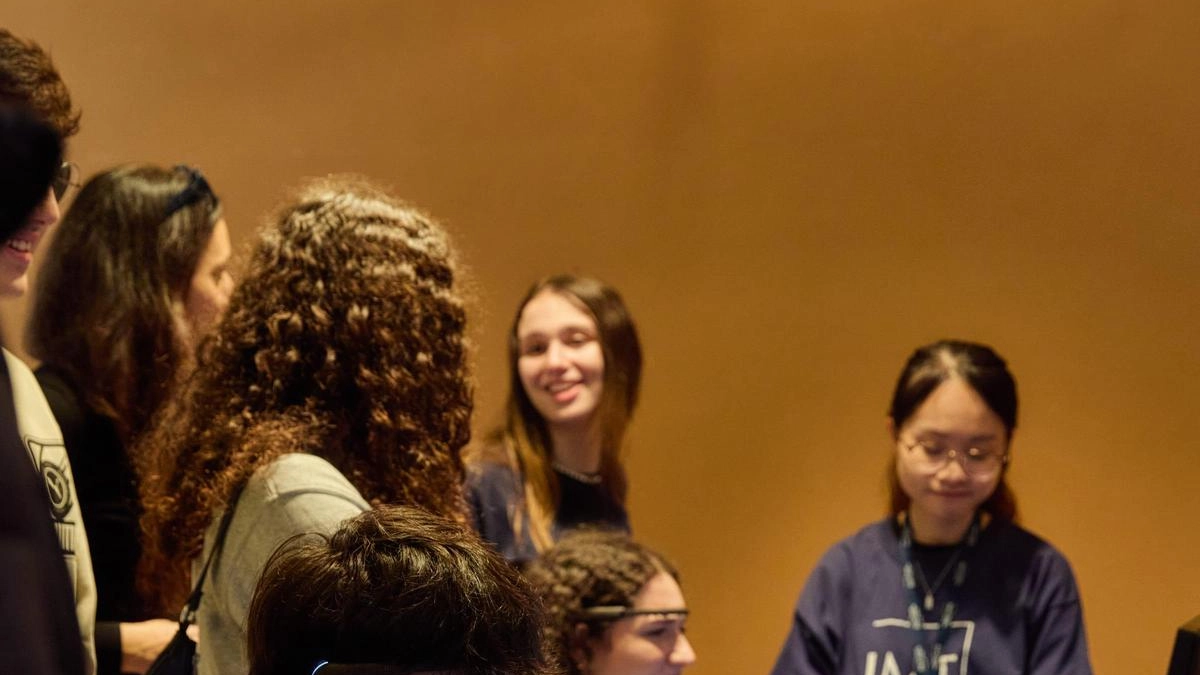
791 195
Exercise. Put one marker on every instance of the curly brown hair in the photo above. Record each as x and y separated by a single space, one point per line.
589 567
28 77
345 339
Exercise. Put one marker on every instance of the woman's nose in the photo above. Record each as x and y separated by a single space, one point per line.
954 470
683 654
555 355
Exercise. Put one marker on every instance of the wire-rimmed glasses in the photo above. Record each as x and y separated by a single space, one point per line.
931 457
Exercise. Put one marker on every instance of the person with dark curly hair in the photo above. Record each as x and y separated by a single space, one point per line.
136 270
947 582
575 364
394 590
336 381
613 606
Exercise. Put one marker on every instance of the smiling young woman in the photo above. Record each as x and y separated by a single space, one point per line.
948 580
575 365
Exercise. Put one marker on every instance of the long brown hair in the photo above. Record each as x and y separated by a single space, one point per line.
345 340
524 442
104 311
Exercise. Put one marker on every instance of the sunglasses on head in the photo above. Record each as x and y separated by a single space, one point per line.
64 179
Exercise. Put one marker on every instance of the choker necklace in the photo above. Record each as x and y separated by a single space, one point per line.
587 478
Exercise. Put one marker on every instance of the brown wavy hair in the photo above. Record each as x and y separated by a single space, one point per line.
104 308
524 443
28 77
589 567
345 339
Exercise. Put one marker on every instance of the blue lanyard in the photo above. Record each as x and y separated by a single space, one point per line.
923 663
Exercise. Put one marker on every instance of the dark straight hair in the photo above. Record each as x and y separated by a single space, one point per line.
103 311
987 373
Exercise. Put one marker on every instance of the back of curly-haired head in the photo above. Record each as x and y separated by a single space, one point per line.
587 568
28 78
345 339
395 586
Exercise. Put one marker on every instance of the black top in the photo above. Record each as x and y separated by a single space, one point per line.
494 492
108 497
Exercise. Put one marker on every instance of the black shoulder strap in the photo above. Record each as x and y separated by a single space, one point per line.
193 601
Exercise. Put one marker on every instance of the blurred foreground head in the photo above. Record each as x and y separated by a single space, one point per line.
394 590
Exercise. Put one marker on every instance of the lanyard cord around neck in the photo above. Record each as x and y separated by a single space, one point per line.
926 664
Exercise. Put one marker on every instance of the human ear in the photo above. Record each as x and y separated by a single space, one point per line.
580 652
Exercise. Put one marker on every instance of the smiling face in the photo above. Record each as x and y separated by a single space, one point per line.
648 644
953 416
17 255
560 360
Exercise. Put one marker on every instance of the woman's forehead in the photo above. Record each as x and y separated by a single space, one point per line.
549 312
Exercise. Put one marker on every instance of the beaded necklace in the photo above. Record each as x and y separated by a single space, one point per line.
926 663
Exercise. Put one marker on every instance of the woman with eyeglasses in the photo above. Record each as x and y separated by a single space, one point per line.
948 582
613 606
135 274
575 365
336 381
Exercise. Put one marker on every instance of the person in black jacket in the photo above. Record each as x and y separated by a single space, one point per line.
34 179
39 634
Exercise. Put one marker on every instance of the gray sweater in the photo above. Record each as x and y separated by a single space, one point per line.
295 494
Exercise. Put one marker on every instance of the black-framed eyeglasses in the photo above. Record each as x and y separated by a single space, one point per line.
196 190
618 612
65 178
